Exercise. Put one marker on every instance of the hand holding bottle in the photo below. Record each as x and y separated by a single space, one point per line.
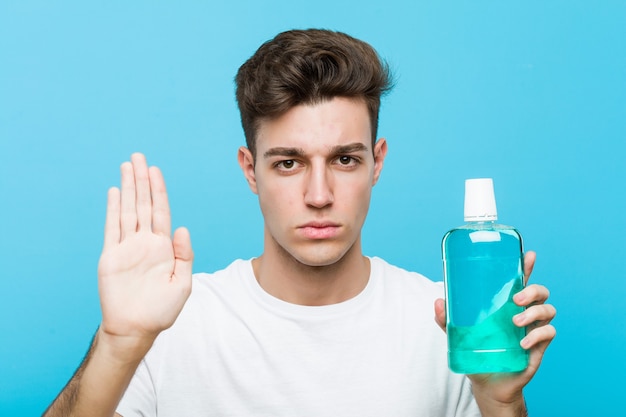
502 390
498 328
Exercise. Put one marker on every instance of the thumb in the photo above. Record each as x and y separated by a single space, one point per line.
440 313
183 254
529 264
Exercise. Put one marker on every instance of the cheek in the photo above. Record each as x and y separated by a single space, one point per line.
358 196
277 200
363 185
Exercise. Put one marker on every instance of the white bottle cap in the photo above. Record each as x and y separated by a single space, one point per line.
480 200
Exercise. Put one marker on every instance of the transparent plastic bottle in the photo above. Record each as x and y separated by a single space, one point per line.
483 269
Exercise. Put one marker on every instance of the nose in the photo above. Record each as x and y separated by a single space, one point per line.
318 190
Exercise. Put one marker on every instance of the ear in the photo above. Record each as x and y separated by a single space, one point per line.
380 151
246 162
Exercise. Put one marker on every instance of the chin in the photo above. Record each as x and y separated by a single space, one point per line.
316 254
318 263
319 259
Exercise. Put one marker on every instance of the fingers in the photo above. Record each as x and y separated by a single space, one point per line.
161 218
143 202
440 313
540 336
533 294
128 210
535 316
142 189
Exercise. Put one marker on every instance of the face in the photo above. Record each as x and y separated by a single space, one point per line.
313 174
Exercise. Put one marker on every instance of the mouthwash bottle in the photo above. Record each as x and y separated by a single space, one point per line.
483 269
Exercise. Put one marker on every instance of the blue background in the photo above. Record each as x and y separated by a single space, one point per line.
531 93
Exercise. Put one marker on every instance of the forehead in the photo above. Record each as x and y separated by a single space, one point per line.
317 126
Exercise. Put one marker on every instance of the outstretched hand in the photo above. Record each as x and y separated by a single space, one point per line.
144 276
507 388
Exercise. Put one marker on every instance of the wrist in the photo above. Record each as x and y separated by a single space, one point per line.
515 406
123 350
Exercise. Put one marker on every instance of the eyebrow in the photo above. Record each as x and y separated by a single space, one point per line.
281 151
299 152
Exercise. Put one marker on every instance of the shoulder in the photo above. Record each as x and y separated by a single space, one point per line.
212 296
400 280
402 276
227 276
211 290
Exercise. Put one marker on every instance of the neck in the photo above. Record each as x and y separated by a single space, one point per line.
290 280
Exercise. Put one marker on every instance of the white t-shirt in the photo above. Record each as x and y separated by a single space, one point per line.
235 350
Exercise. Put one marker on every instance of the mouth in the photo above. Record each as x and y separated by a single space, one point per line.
319 230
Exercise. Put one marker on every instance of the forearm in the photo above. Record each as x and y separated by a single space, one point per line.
98 385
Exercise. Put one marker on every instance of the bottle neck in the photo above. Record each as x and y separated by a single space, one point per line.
485 219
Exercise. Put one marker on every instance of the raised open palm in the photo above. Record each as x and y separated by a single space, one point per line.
144 276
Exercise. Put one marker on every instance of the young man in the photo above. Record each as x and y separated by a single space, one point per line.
311 327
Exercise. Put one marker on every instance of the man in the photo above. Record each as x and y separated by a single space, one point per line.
311 327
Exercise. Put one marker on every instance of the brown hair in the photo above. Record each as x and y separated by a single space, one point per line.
308 67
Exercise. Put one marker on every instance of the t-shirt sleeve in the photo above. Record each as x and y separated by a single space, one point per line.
467 406
139 400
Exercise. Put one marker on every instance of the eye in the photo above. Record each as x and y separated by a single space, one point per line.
288 164
347 161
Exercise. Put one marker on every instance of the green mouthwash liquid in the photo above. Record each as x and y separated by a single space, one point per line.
483 269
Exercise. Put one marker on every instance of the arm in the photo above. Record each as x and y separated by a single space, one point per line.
501 394
144 279
98 384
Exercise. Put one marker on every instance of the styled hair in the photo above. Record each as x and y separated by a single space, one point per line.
308 67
